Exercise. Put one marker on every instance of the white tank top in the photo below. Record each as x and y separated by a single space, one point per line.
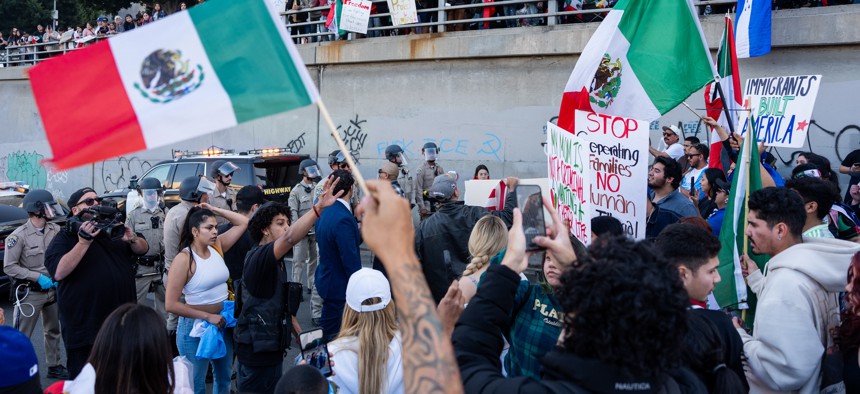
208 285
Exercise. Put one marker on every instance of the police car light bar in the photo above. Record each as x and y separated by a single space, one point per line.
270 151
211 151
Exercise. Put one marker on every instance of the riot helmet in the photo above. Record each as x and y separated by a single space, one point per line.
395 154
193 188
150 190
222 168
332 158
310 169
41 203
430 150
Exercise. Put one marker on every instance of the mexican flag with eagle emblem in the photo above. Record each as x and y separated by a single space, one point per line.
645 58
182 77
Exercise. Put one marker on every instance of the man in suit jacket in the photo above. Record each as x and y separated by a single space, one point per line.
338 239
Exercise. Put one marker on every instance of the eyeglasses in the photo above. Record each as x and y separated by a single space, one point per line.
90 201
693 155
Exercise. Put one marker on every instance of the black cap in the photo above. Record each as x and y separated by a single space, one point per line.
724 185
75 198
250 195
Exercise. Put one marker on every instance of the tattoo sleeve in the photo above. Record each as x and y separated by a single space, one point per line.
429 365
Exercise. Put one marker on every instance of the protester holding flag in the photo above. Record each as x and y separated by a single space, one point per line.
797 301
728 87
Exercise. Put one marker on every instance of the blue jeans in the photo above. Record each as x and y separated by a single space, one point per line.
222 368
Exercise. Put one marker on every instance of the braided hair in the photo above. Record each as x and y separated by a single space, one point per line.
488 238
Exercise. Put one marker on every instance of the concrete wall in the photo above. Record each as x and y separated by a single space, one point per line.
483 96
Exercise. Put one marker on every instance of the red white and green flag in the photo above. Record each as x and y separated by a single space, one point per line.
185 76
645 58
730 82
731 292
332 20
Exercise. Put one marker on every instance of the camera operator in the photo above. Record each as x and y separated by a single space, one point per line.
24 262
93 270
148 219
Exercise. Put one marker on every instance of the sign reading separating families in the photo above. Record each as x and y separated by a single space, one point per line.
403 12
600 170
355 15
781 108
568 181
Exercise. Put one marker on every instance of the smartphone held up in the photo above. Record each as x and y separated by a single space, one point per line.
530 202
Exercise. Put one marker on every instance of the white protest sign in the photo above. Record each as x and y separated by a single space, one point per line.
568 182
478 191
781 108
355 16
403 12
617 167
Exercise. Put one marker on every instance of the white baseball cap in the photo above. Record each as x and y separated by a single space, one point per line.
364 284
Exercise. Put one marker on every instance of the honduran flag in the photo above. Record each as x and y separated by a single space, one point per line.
645 58
752 28
730 82
212 67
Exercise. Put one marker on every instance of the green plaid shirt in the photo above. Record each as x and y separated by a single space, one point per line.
535 326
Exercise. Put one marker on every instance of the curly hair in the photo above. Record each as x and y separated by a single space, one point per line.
345 184
626 306
488 238
848 337
264 216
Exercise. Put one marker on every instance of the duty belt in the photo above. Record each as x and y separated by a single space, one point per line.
149 261
33 286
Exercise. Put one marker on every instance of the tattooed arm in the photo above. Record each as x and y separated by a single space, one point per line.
429 365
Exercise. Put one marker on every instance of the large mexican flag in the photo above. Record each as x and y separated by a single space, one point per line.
212 67
645 58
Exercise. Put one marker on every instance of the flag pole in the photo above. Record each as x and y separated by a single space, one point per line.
725 106
747 164
342 146
693 111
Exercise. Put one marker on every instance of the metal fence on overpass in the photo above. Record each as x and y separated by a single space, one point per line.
438 21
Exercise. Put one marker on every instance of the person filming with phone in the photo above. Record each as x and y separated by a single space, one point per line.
442 240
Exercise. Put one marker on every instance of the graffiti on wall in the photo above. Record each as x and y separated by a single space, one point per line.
841 144
296 145
26 166
354 136
116 173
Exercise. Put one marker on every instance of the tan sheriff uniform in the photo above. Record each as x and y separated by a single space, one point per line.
305 254
148 278
24 261
424 176
220 200
407 183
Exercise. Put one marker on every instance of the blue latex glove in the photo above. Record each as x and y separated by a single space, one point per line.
45 282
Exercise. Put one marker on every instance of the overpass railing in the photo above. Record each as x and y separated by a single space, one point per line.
30 54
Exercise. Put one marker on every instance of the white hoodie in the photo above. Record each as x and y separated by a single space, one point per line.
797 305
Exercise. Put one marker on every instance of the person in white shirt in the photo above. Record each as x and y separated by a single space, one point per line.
671 136
366 354
691 181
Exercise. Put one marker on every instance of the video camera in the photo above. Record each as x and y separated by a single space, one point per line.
106 219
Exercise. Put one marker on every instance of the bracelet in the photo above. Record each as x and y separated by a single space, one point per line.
316 211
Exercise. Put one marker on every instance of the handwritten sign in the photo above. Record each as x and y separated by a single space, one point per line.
568 180
403 12
355 15
616 167
781 107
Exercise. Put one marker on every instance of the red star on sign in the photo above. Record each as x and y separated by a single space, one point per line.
802 125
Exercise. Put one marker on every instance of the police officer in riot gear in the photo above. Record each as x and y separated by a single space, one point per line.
395 154
34 289
224 196
424 176
148 219
301 201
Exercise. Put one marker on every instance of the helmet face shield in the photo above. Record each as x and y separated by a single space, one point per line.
401 159
313 172
151 199
228 168
430 154
205 186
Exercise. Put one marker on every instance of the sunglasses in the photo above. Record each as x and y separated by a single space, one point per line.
91 201
668 134
343 166
693 155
